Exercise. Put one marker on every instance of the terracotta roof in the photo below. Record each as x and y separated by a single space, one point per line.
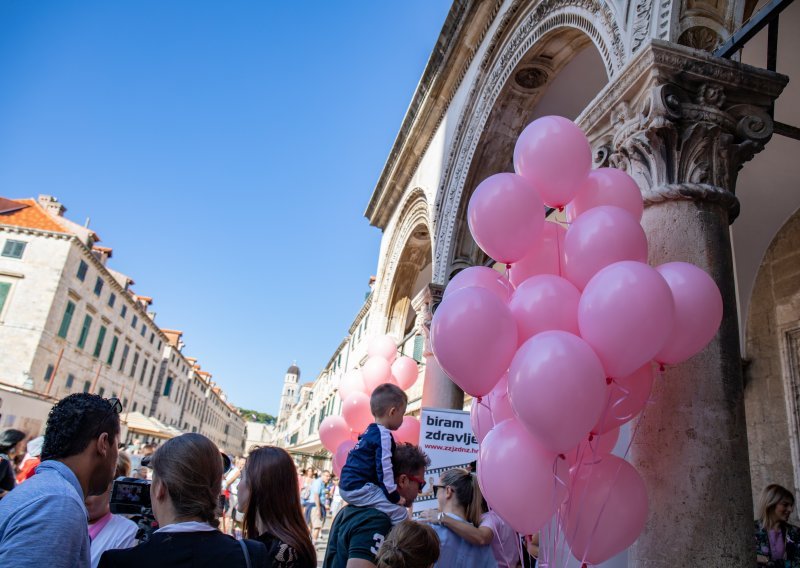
32 216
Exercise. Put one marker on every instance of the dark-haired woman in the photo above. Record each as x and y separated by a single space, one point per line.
187 478
269 498
12 444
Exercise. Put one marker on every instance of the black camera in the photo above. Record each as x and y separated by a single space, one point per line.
129 496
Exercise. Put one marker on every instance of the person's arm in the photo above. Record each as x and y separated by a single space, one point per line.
480 536
532 545
25 542
384 466
315 489
359 563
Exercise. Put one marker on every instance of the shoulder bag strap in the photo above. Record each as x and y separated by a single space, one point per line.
246 552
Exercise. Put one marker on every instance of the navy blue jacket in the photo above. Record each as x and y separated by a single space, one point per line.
370 461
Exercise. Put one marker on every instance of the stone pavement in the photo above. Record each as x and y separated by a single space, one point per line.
322 543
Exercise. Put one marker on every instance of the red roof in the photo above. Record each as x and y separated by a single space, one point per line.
30 216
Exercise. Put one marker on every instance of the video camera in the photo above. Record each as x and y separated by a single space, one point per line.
131 497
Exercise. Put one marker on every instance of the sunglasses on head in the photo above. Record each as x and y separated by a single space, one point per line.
115 407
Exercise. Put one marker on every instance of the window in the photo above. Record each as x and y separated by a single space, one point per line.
112 299
5 287
82 269
144 410
87 324
70 380
159 345
144 330
123 312
125 351
113 350
14 249
101 336
144 369
168 386
101 392
66 320
48 374
152 374
98 286
419 344
86 386
135 404
152 337
134 321
135 364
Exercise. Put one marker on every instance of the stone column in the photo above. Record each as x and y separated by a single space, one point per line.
683 123
438 390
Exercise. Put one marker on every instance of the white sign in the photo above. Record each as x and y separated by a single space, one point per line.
446 437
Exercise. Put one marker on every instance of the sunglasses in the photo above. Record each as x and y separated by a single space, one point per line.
421 482
436 489
115 407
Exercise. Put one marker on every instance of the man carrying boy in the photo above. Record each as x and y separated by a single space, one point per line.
367 478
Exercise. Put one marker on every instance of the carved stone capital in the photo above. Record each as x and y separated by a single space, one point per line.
683 123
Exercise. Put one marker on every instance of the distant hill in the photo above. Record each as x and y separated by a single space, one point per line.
256 416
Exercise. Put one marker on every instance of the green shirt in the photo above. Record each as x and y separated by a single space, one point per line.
357 532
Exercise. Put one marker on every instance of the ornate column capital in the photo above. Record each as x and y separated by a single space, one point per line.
683 123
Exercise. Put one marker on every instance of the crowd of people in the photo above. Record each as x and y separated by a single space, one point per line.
56 495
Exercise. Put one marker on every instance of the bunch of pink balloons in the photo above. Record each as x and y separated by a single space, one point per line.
338 434
558 351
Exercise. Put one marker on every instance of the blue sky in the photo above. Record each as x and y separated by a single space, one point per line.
226 151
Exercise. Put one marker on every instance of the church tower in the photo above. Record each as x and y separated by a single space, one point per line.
289 395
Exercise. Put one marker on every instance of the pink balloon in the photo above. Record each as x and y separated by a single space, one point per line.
340 456
512 460
333 430
405 372
625 398
505 215
543 303
601 236
626 314
408 433
698 311
546 255
554 154
382 346
356 412
482 277
499 403
352 382
480 418
593 448
606 511
473 336
557 387
376 371
608 186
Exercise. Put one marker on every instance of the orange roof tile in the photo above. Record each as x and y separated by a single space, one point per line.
31 217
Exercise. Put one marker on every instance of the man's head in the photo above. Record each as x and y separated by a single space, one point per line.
83 430
388 405
326 476
409 463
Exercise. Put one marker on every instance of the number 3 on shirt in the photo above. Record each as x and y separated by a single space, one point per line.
378 538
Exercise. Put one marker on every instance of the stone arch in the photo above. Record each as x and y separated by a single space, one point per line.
772 372
408 256
505 98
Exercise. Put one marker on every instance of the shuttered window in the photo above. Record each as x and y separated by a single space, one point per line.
66 320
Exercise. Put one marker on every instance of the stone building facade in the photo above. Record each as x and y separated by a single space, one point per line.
706 139
69 323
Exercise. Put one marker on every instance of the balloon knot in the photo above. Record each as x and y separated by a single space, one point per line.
508 266
609 380
584 565
562 456
560 208
479 399
661 367
591 436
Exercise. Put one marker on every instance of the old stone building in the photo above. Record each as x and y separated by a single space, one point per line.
706 130
69 323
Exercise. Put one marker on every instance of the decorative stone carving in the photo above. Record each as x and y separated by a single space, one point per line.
640 31
700 37
531 77
425 304
683 124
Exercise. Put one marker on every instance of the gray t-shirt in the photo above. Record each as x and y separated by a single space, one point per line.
43 521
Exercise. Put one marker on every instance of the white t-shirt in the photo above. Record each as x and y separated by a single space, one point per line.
119 532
